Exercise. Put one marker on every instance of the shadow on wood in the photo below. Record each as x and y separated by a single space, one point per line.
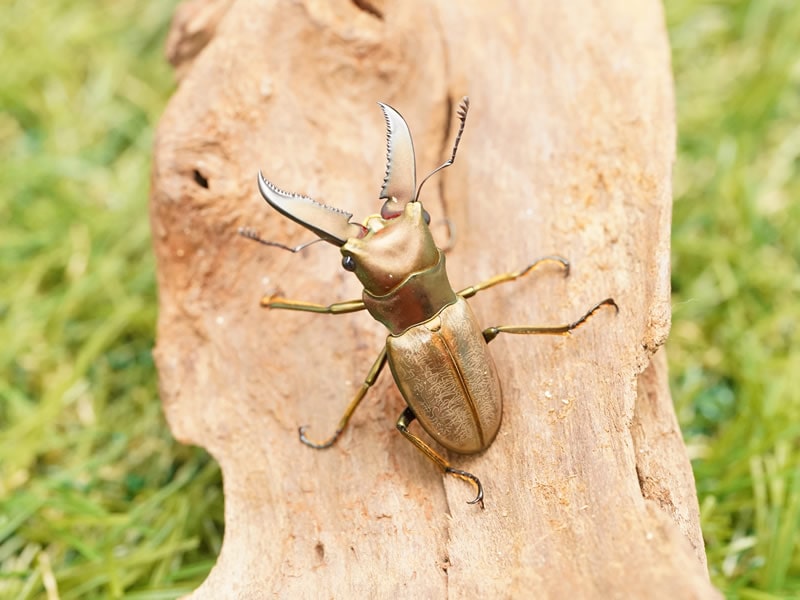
568 150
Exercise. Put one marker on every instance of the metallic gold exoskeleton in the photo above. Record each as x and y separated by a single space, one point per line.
436 350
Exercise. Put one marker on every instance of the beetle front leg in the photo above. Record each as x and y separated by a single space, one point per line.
252 234
491 332
339 308
402 425
470 291
377 366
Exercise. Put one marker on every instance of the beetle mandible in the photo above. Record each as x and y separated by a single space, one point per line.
436 350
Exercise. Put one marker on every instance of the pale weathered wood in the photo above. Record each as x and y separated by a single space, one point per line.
568 149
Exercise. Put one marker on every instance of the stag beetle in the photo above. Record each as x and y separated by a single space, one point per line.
436 350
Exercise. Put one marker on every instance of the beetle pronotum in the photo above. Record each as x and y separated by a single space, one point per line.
434 341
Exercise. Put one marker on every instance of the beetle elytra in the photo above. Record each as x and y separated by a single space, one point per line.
436 350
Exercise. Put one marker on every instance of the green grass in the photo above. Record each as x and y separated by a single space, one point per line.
735 344
98 501
95 496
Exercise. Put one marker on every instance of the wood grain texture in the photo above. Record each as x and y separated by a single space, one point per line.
568 149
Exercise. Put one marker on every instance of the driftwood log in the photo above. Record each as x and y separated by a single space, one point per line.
568 149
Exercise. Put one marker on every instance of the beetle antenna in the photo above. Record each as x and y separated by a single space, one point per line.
463 108
252 234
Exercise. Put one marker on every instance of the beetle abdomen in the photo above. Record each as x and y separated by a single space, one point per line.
446 375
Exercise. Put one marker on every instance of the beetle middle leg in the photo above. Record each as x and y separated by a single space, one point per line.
470 291
377 366
492 332
402 425
338 308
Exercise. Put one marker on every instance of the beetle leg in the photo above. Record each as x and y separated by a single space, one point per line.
470 291
368 381
402 425
491 332
252 234
339 308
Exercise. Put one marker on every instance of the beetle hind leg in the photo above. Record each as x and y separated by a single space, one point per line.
470 478
369 380
402 425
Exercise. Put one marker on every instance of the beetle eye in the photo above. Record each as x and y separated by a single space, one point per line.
426 217
348 263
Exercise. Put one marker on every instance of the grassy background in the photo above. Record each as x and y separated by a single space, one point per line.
734 350
97 500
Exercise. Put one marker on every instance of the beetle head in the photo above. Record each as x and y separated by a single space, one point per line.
387 248
391 250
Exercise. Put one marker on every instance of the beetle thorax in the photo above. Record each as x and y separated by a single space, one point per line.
392 250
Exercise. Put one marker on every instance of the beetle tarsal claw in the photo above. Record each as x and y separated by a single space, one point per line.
471 479
316 445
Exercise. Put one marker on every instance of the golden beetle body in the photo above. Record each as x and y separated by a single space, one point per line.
447 376
436 350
